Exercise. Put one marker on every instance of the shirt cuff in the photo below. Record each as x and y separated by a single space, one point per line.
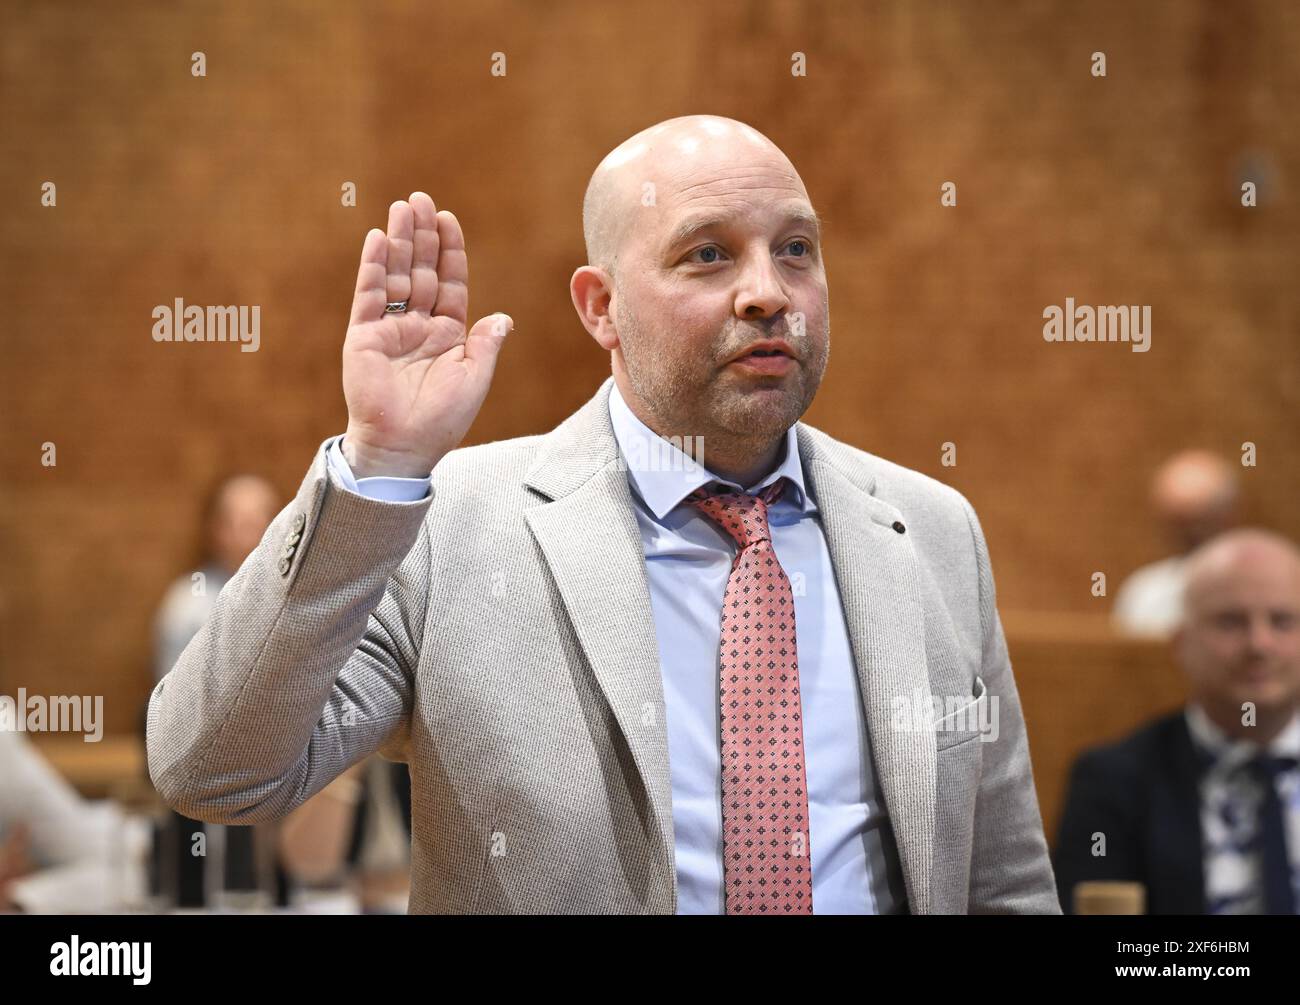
381 487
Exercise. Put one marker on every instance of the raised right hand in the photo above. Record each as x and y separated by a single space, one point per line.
414 381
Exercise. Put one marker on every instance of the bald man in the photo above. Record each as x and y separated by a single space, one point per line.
682 654
1194 496
1203 806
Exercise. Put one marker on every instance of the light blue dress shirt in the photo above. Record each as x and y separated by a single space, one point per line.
855 866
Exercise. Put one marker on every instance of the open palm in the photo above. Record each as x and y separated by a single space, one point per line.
414 381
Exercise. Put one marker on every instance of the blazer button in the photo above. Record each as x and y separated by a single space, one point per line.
898 526
284 567
299 522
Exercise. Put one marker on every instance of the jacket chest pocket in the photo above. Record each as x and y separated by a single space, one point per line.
969 722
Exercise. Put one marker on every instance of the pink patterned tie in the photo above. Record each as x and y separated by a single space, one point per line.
767 864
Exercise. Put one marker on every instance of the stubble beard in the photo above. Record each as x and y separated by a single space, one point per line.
733 413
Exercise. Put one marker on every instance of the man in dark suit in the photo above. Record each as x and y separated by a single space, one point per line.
1203 806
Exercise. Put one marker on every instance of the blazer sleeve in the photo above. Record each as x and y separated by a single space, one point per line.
1097 837
305 664
1011 871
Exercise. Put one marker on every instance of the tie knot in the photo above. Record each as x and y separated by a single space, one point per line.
740 514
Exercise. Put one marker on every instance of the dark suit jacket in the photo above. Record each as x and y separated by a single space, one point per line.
1142 794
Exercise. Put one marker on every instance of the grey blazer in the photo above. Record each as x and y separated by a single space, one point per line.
499 638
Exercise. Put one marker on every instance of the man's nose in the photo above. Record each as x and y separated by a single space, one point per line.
1260 635
761 293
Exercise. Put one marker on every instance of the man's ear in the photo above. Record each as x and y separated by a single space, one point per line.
592 290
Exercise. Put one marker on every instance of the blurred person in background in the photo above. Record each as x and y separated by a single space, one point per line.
355 829
57 850
1202 807
235 517
1195 495
354 835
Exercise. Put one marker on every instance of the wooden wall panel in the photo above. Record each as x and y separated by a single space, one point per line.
225 189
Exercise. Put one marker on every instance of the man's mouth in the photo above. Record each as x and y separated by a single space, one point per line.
766 349
765 362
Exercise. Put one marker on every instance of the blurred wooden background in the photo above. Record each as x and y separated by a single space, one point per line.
226 190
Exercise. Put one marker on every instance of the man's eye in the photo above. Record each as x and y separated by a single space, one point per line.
710 253
707 249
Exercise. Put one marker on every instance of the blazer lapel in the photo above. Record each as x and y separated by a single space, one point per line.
590 539
876 571
1182 863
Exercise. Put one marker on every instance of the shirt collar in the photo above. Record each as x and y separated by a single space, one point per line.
1217 742
662 474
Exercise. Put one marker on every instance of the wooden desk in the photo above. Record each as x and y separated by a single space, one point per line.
110 767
